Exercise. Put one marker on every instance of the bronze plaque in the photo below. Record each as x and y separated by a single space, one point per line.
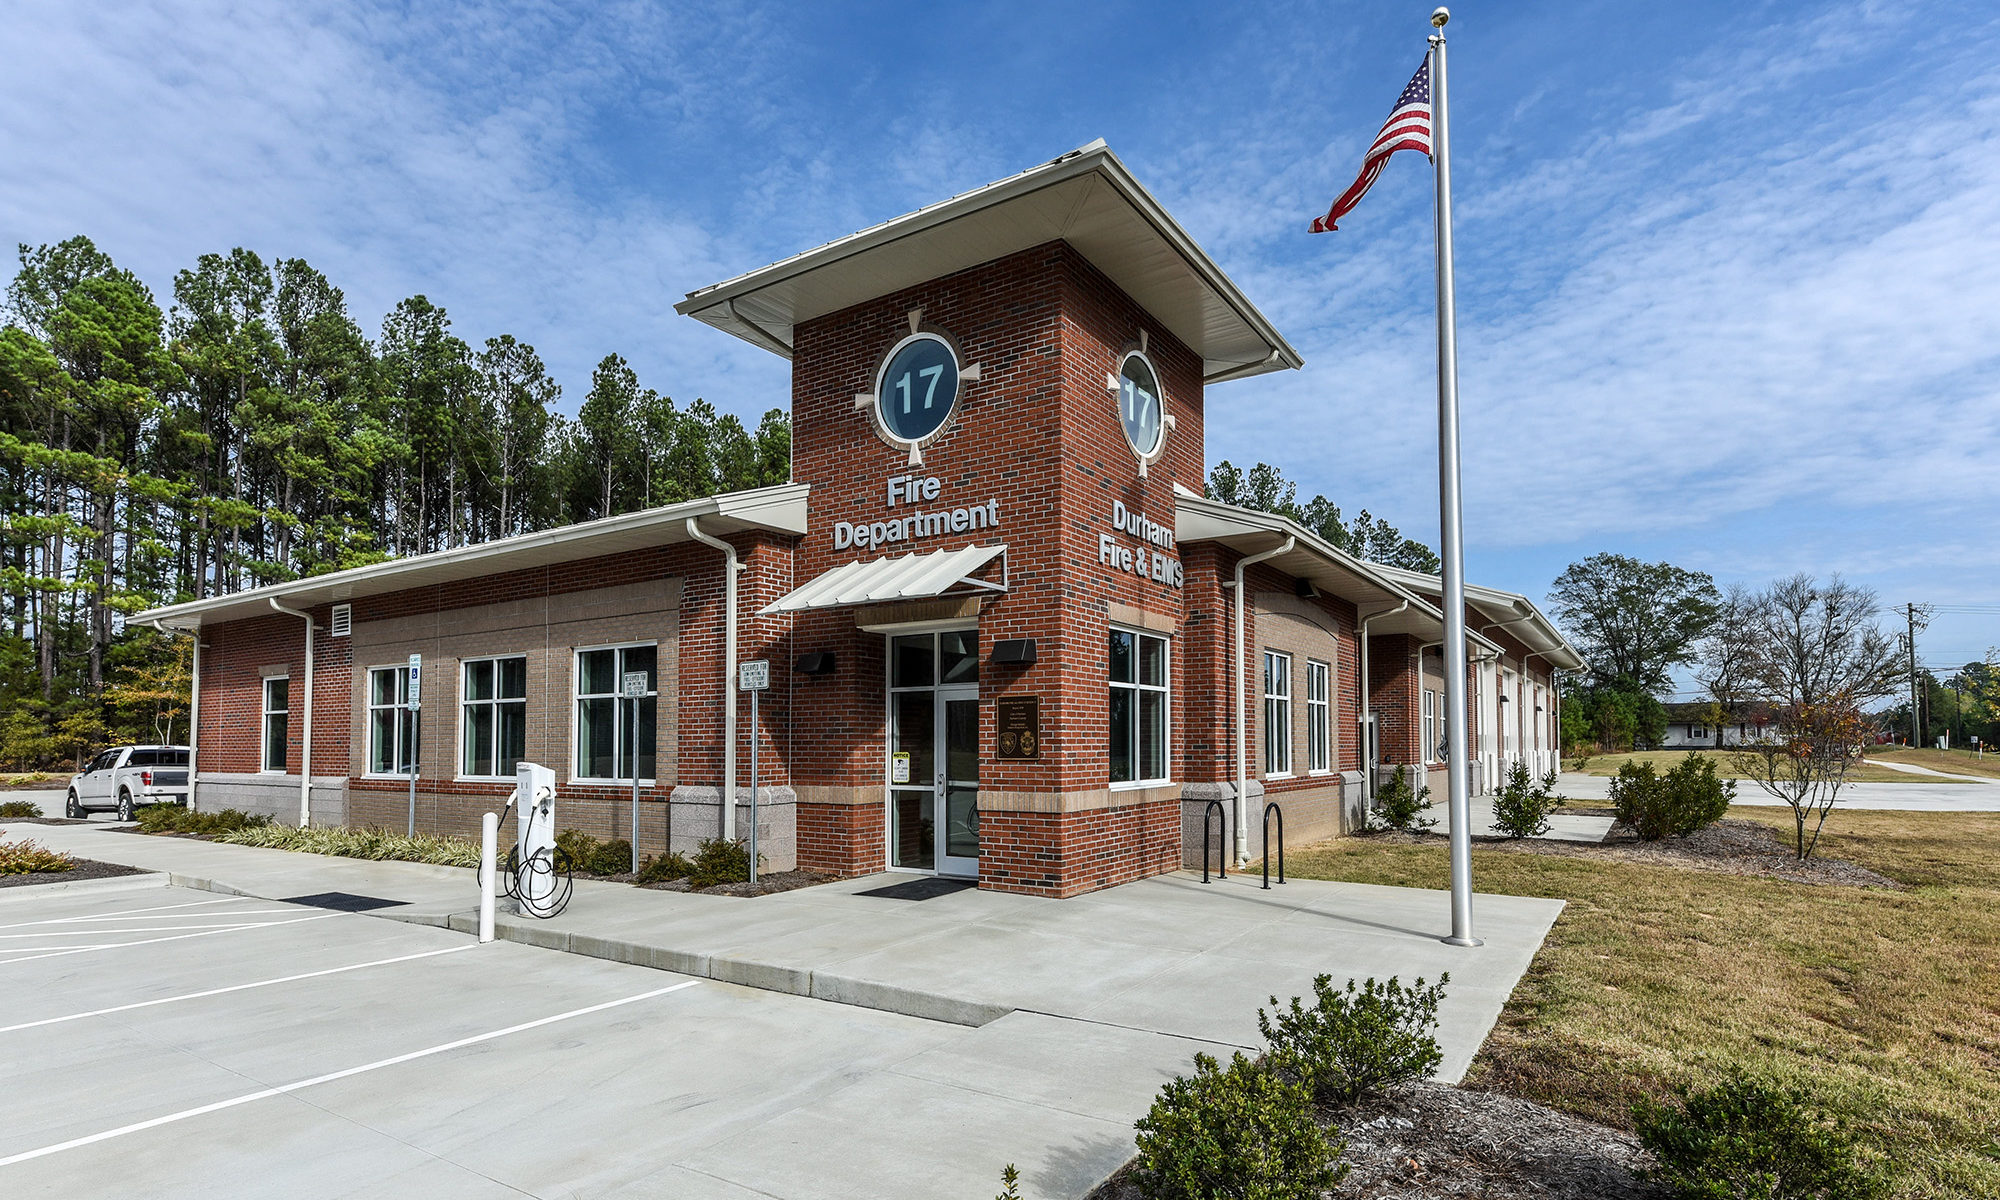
1018 721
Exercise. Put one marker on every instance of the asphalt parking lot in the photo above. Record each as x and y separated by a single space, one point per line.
169 1042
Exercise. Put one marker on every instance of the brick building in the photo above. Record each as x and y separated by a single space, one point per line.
1007 637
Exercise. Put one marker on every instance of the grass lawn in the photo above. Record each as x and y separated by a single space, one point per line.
1962 762
1665 760
1886 1003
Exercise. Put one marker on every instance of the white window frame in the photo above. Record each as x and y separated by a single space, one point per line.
264 766
1277 713
1164 690
370 708
1319 717
1429 746
465 706
622 727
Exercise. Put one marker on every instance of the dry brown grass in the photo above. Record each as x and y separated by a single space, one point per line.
1958 762
1886 1002
1725 766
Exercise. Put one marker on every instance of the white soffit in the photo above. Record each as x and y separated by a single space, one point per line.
780 509
1086 198
910 577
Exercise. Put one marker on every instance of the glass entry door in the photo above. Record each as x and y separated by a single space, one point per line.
934 752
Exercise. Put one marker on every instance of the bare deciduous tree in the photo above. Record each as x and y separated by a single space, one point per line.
1813 642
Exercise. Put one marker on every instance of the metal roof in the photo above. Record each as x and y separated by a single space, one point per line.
1519 614
910 577
1086 198
781 509
1391 607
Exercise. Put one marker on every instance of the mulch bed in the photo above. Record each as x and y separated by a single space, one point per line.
44 820
1732 847
1436 1142
85 868
767 884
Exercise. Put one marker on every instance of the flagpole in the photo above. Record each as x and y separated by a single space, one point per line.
1450 513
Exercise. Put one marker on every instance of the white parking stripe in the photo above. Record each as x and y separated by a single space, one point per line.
230 923
240 987
174 938
126 912
329 1077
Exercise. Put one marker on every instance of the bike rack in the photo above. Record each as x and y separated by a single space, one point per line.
1221 816
1272 810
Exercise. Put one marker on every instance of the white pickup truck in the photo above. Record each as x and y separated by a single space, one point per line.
125 777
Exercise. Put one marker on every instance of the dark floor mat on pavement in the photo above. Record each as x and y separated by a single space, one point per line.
343 901
919 889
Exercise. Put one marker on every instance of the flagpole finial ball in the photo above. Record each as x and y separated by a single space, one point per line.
1440 16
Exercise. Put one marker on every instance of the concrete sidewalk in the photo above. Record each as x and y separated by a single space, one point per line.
1914 796
1563 826
1168 957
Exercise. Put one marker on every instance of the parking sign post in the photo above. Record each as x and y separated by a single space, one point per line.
753 677
635 691
413 702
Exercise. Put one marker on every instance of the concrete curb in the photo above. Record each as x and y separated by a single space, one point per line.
115 883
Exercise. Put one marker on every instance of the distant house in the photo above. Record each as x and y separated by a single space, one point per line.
1689 727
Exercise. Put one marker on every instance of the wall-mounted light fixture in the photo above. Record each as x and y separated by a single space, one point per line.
1014 652
819 662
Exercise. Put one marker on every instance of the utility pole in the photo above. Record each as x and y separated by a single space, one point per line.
1916 738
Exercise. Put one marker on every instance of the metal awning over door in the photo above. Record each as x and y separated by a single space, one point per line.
910 577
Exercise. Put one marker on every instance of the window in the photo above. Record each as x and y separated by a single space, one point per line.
493 727
277 716
1138 673
1319 720
1429 747
1277 713
392 723
605 747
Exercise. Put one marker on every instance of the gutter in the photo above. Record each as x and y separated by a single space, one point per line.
306 747
1365 706
730 568
1242 730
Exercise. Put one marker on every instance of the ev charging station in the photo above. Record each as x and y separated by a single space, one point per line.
533 877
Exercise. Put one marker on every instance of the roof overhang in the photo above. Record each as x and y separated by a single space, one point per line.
1086 198
776 509
1389 607
908 577
1511 611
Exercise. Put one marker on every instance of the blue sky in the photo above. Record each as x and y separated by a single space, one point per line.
1729 281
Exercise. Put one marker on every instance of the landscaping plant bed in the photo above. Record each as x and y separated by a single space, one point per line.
1734 847
85 868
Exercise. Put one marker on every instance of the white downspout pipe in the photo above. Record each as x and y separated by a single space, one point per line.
1242 729
1365 696
306 746
194 709
730 567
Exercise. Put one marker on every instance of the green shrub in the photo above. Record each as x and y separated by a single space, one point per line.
1750 1139
1523 806
19 808
717 861
1687 798
1400 807
31 858
660 868
1355 1043
172 818
587 856
359 843
1010 1184
1243 1132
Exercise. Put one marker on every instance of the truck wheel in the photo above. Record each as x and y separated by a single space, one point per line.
124 806
73 809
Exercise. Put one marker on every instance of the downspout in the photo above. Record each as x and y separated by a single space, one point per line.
730 568
306 747
1242 730
194 709
1364 694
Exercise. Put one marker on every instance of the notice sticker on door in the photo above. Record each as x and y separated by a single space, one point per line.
899 767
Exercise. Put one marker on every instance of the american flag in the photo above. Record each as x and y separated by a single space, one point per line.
1408 128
